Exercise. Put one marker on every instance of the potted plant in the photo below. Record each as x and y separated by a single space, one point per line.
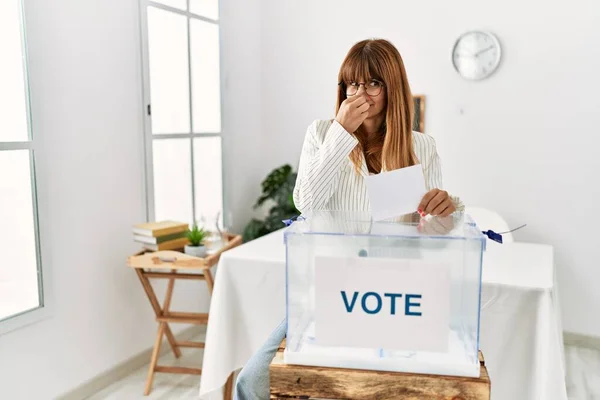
196 236
277 193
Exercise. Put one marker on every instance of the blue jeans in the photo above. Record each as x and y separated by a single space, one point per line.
253 382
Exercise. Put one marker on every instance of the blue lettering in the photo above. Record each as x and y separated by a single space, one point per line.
393 301
409 304
354 297
364 303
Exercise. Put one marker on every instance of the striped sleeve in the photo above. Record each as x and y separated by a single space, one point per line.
433 174
321 162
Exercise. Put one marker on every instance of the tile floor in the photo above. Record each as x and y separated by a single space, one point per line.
583 373
165 386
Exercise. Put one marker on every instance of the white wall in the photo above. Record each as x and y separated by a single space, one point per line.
243 137
86 86
524 142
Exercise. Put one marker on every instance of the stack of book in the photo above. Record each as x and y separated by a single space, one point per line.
161 235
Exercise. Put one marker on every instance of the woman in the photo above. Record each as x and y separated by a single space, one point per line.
371 133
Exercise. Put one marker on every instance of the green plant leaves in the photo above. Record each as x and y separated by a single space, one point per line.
196 235
278 186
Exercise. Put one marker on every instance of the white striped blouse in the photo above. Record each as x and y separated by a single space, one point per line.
328 180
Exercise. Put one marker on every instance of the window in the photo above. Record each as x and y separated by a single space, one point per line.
182 93
20 269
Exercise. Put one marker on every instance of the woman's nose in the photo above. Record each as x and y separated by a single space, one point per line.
361 89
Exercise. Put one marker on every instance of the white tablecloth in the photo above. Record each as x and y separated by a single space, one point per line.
521 334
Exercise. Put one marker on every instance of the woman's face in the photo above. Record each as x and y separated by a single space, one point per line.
375 93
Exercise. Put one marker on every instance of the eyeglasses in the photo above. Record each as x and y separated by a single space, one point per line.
373 87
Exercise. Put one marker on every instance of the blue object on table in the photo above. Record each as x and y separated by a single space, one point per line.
290 221
496 237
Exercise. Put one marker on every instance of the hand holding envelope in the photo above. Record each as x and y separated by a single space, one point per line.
402 191
436 202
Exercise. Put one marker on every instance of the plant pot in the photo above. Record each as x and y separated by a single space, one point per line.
195 251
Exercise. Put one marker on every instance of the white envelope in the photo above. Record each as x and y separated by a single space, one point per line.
396 193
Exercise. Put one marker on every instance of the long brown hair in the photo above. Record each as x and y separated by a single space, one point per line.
393 149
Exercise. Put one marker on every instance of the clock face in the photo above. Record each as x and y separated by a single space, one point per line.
476 55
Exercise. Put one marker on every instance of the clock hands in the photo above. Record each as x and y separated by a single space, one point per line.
476 54
483 51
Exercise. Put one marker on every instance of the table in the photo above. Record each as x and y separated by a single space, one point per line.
174 265
521 333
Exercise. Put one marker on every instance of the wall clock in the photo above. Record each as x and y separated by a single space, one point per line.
476 54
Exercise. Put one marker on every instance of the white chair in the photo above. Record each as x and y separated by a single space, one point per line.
488 219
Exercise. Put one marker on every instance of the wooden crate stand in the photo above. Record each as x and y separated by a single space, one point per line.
307 382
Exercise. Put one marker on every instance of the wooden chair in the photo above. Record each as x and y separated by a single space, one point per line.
173 265
306 382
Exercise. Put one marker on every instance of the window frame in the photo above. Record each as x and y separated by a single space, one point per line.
44 309
149 137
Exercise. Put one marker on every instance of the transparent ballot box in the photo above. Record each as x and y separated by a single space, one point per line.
396 295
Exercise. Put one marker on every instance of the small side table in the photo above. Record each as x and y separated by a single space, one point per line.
173 265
